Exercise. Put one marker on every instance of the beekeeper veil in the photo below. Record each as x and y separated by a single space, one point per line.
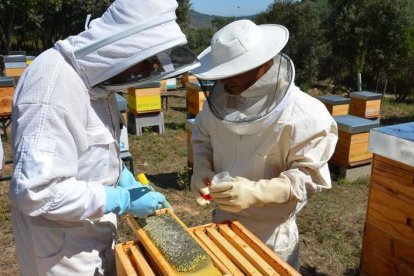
131 34
238 48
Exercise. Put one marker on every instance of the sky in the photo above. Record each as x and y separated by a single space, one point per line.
230 7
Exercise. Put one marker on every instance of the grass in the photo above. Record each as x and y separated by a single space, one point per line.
331 224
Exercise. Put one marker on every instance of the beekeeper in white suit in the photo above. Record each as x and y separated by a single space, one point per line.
69 183
272 139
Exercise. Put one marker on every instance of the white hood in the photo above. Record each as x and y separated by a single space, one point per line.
128 32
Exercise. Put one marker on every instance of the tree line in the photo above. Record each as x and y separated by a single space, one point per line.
331 41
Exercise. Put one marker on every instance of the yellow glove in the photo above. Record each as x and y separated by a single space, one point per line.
241 193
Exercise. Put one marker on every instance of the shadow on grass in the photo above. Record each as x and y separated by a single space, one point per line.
396 120
308 270
172 180
175 126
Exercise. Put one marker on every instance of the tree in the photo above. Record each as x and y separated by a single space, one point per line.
183 15
306 45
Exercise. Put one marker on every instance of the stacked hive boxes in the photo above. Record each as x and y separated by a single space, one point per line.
355 117
144 104
388 243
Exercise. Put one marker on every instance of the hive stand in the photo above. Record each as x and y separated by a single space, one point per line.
138 121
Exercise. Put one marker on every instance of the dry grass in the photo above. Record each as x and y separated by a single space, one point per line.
330 225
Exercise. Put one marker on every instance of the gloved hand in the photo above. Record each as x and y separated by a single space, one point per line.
241 193
200 182
120 200
127 179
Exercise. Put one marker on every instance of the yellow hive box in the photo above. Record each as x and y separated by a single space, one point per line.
144 99
233 249
195 98
187 78
6 95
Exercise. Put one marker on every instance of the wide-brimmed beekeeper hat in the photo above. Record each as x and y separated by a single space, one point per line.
239 47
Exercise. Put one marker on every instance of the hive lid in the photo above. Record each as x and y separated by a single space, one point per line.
354 124
395 142
334 99
6 82
10 65
148 85
14 58
366 95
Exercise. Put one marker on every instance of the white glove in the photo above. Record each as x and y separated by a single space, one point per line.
200 182
241 193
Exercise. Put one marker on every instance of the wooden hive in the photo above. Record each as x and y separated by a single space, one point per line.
388 242
14 65
144 99
6 95
195 98
187 78
353 136
232 248
336 105
365 104
189 124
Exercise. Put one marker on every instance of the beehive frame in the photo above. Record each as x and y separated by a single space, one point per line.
233 249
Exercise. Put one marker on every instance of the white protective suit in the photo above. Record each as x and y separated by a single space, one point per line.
66 139
293 142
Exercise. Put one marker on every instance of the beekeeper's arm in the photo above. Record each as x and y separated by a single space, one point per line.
203 170
308 174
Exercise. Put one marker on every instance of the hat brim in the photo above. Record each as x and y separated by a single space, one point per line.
274 40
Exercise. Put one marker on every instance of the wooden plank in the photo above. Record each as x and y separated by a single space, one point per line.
265 252
246 251
140 264
224 265
391 214
242 263
124 266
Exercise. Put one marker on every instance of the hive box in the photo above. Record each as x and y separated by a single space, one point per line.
388 242
195 98
365 104
144 99
353 137
336 105
187 78
6 95
233 249
189 124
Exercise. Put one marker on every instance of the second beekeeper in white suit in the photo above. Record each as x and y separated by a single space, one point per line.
273 139
69 183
